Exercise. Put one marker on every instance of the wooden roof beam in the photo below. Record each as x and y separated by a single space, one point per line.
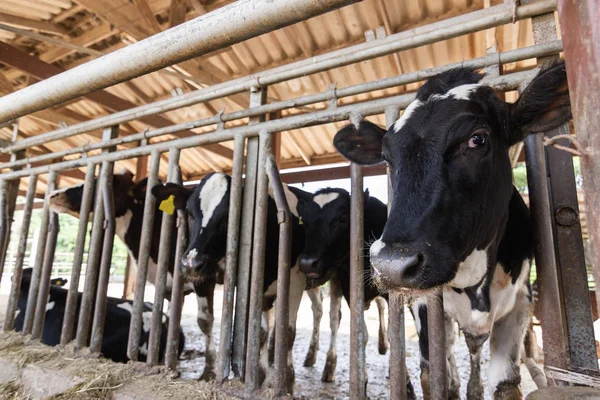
177 12
41 70
27 23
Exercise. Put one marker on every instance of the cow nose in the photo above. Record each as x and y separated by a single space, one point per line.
308 265
393 271
191 261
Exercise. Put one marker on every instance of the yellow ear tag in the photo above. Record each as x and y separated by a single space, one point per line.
300 222
168 205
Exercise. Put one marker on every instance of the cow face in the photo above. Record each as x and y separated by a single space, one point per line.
325 216
207 207
127 194
451 174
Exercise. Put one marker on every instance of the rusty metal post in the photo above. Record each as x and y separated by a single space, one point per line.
176 305
282 309
357 293
438 378
4 223
135 328
258 266
13 298
44 283
106 177
73 295
581 37
32 299
396 309
258 96
233 236
94 256
166 235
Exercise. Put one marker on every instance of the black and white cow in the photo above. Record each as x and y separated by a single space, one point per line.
116 325
129 209
207 206
456 220
326 218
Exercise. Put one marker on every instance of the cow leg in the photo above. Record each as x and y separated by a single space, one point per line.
335 315
475 385
505 350
205 322
453 378
263 352
297 286
528 358
316 298
383 333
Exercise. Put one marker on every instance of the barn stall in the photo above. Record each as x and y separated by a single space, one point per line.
99 85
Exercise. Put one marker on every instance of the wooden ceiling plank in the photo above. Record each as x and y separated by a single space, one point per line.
147 15
177 12
27 23
41 70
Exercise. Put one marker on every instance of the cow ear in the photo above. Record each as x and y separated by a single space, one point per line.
58 282
179 192
542 106
360 143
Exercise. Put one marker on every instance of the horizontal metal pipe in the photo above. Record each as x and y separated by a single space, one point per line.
21 249
503 82
222 28
452 27
525 53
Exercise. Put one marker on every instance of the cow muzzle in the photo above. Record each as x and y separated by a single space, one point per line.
310 267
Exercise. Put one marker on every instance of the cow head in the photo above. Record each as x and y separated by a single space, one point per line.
326 219
207 207
127 194
451 174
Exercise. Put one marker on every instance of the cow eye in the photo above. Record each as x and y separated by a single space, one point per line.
479 138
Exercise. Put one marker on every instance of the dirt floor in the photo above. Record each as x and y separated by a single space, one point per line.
308 383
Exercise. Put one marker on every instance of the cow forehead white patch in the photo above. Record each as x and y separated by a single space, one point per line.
211 195
462 92
324 198
406 115
471 271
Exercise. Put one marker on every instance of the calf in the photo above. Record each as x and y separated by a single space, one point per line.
207 206
116 325
456 221
326 218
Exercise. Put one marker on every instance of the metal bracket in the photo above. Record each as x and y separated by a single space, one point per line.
566 216
332 97
221 123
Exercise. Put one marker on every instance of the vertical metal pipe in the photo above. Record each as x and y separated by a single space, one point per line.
133 345
396 309
32 298
240 323
44 291
4 223
166 232
13 298
282 309
233 235
176 305
438 378
258 266
552 310
94 255
106 177
357 292
73 294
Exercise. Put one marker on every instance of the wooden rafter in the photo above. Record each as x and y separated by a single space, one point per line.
177 12
41 70
27 23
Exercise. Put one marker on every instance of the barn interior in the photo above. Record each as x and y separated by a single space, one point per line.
40 39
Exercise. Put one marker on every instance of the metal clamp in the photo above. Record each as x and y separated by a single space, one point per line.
332 97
